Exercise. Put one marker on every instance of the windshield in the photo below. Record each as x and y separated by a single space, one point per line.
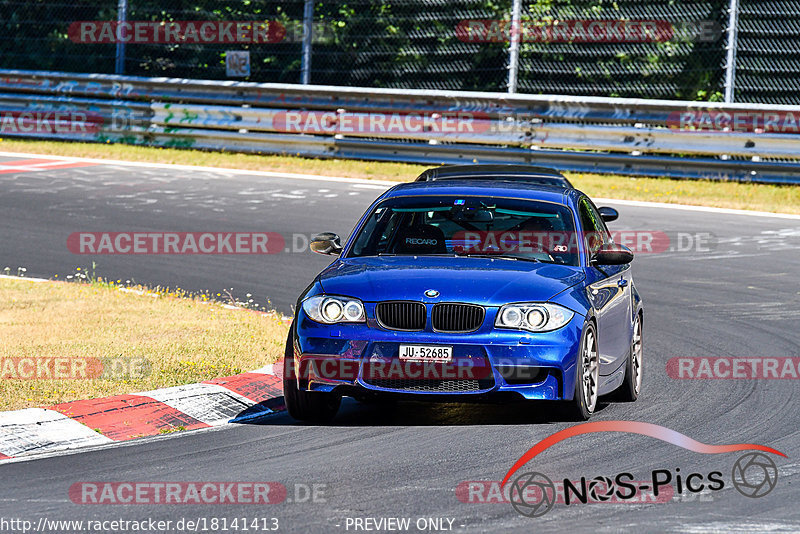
511 229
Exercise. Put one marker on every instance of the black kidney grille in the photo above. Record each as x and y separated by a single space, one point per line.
457 317
401 315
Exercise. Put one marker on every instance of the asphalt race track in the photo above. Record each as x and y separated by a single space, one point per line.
738 297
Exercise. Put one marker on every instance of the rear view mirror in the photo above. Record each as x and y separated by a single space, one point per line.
326 243
612 254
608 214
474 215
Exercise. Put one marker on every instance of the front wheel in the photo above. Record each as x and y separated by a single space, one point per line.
310 406
584 400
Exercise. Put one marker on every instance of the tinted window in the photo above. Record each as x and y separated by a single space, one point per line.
594 229
469 226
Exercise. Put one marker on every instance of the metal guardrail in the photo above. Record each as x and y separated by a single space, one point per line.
591 134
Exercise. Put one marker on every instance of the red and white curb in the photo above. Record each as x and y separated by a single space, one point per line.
86 423
41 164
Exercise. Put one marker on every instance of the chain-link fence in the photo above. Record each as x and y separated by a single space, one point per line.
673 49
768 52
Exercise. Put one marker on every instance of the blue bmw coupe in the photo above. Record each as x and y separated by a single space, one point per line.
469 288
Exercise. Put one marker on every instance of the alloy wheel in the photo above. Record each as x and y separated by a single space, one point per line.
591 371
636 355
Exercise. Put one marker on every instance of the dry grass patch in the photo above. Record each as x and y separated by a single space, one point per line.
734 195
142 341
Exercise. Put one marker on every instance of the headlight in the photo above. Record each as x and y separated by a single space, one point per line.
533 317
331 310
511 316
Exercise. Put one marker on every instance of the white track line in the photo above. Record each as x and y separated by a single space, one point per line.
267 369
687 207
8 277
374 183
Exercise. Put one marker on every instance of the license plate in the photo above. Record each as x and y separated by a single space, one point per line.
426 353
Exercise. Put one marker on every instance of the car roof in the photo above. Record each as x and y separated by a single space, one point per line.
486 187
496 172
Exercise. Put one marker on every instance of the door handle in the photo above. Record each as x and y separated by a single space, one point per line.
622 282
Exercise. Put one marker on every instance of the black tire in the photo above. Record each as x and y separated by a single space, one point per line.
309 406
631 385
579 408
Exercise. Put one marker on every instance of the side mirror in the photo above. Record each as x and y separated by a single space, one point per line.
612 254
326 243
608 214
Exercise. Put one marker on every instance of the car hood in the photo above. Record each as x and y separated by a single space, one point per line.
478 280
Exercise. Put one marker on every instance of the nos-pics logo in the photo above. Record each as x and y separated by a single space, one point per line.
533 494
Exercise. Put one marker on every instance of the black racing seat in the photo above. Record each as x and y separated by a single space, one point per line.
420 239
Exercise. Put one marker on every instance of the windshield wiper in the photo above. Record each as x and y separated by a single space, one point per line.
499 257
410 254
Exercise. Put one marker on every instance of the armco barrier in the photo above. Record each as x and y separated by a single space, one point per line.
590 134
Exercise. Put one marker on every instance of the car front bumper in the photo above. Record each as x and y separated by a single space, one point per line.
355 359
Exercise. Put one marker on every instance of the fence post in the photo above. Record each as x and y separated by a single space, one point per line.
308 23
122 16
730 66
513 48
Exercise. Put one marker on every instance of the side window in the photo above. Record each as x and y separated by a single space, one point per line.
374 236
600 223
388 232
594 232
363 242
